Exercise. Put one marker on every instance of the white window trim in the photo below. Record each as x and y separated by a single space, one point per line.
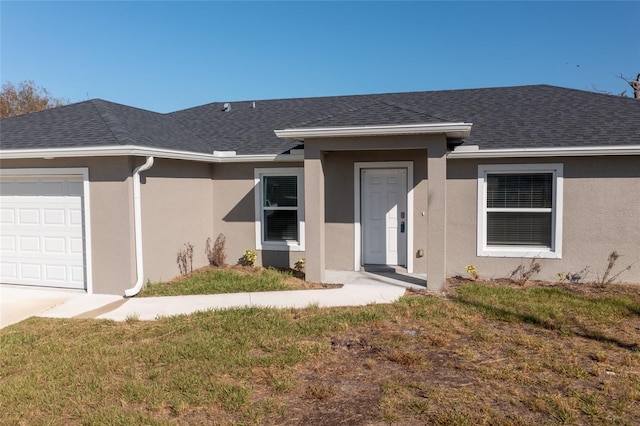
357 227
70 171
258 174
553 252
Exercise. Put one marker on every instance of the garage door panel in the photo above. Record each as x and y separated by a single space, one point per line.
7 216
29 244
9 270
56 273
42 231
53 217
28 216
7 243
75 246
54 245
30 271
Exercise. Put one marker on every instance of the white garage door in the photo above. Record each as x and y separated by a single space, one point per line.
41 231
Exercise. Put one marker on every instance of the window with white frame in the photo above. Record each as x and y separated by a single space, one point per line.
520 210
279 216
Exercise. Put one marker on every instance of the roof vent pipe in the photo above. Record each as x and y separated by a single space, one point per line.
226 107
137 218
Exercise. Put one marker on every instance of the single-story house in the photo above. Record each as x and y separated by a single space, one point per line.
101 196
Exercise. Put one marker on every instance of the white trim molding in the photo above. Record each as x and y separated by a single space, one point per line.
357 227
261 244
455 130
553 252
135 150
544 152
69 171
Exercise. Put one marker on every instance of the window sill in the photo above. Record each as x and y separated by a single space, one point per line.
274 246
526 252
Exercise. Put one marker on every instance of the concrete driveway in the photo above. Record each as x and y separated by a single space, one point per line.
18 303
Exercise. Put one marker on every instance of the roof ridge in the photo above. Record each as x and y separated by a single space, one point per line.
415 111
349 110
114 120
363 95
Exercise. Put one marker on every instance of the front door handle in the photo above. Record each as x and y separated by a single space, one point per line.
402 227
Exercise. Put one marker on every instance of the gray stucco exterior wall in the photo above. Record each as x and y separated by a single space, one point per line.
185 201
234 212
601 201
177 208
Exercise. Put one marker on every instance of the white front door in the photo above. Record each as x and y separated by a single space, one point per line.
41 231
384 216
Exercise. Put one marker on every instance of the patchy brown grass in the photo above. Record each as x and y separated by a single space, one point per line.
486 353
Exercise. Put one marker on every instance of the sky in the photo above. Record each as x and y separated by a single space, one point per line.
166 56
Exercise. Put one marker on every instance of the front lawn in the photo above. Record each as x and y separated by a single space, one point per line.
231 279
485 354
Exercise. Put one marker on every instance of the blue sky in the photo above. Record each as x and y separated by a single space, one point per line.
166 56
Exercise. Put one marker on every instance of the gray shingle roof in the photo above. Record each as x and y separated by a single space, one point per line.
96 123
509 117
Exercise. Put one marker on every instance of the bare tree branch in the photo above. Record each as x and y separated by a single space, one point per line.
635 84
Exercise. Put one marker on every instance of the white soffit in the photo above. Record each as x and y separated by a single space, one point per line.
215 157
545 152
455 130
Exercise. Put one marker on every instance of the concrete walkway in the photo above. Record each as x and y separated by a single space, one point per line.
359 288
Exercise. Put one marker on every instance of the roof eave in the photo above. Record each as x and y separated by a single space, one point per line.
546 152
452 130
134 150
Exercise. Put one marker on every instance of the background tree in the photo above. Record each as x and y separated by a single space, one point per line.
635 85
27 97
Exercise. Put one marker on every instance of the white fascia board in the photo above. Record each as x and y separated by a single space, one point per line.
547 152
457 130
134 150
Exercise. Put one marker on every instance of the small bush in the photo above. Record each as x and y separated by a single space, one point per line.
524 271
607 278
573 277
299 265
185 259
216 254
471 270
248 258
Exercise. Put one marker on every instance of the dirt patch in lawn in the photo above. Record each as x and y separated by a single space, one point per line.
576 288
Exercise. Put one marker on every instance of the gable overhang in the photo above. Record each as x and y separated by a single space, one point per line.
451 130
134 150
545 152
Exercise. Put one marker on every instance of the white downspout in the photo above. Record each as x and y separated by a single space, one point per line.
137 218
